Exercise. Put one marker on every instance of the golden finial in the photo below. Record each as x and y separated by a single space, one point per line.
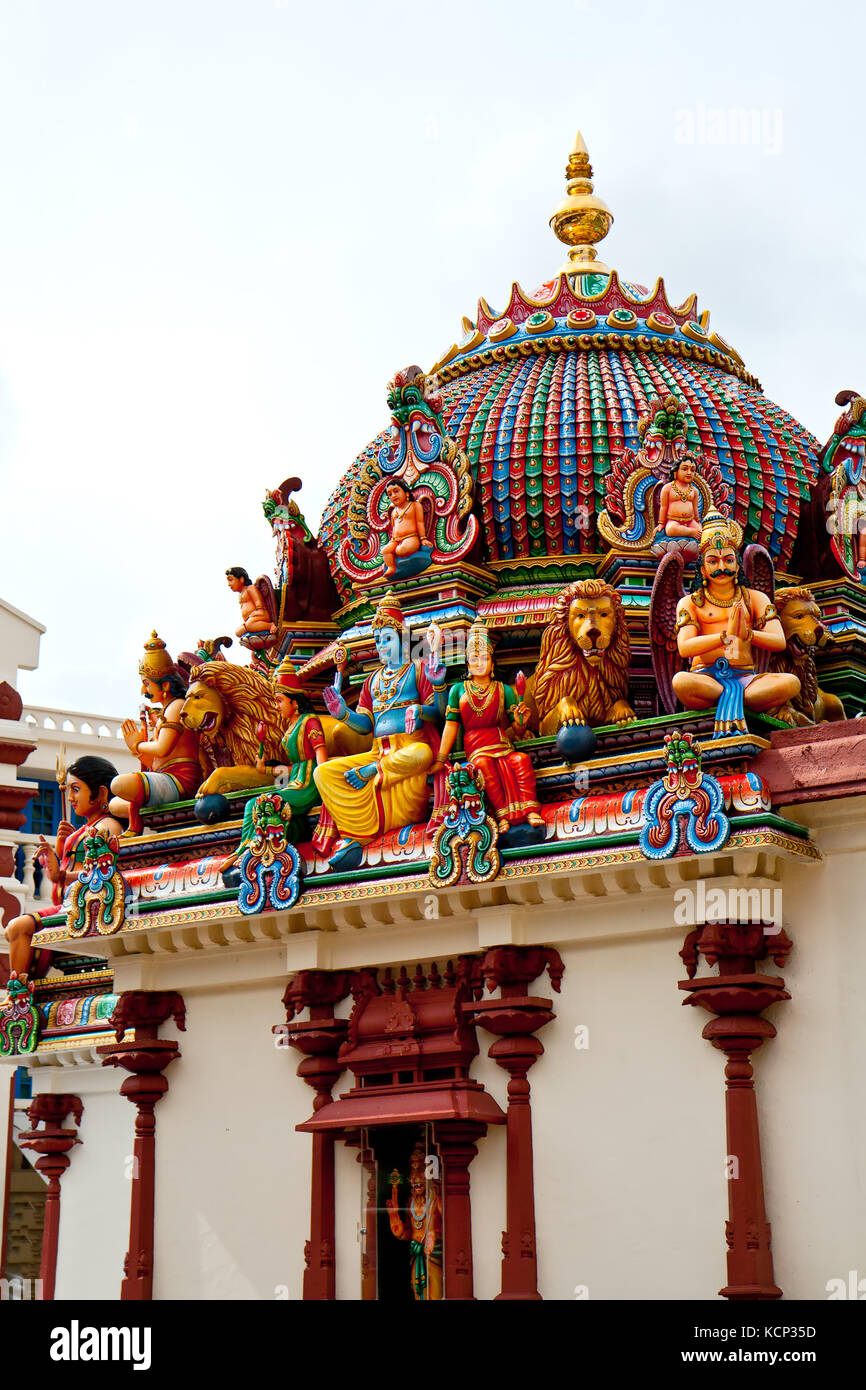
581 219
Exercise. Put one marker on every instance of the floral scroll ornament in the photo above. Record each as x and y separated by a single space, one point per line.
845 458
270 866
685 799
422 458
465 847
18 1019
97 903
636 482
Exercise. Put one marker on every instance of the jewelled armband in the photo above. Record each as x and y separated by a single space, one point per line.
766 617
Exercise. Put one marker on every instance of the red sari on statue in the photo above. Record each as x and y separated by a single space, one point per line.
509 780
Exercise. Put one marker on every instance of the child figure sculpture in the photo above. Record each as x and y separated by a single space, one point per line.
407 529
253 611
679 502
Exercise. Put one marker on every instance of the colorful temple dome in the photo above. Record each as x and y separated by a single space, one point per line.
545 395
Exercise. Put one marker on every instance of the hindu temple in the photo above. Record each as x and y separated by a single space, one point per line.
362 978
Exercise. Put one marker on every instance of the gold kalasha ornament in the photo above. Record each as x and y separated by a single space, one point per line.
581 219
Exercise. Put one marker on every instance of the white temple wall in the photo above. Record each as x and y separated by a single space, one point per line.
813 1112
629 1131
232 1176
94 1190
628 1136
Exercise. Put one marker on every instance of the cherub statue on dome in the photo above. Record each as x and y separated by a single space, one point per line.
254 612
420 1224
655 498
407 528
491 715
410 507
679 502
723 629
401 704
171 762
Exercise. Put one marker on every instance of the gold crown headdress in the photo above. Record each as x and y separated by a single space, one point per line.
719 532
157 665
389 613
285 677
478 639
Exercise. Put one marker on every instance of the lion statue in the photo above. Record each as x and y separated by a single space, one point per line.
225 704
582 672
801 622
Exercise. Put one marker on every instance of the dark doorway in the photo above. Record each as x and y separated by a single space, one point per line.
400 1266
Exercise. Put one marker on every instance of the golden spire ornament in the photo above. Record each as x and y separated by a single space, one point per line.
581 219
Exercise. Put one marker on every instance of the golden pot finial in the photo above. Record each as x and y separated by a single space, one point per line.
581 219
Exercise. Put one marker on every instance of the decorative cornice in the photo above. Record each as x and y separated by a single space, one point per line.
819 763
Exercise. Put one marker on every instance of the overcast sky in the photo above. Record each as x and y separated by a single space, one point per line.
226 223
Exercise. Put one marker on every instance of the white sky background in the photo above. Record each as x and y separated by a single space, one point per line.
226 224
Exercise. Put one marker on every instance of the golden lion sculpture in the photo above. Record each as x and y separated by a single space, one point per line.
582 672
229 702
801 622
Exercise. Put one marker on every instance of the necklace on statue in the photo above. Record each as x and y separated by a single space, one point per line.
478 695
723 602
683 496
388 682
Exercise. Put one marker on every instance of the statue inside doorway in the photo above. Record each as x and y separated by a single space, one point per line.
420 1223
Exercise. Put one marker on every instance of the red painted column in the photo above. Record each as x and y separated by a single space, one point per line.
456 1140
52 1143
737 996
515 1016
319 1038
145 1057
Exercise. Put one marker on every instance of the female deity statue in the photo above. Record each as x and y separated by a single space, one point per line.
421 1226
492 715
88 781
401 703
304 746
